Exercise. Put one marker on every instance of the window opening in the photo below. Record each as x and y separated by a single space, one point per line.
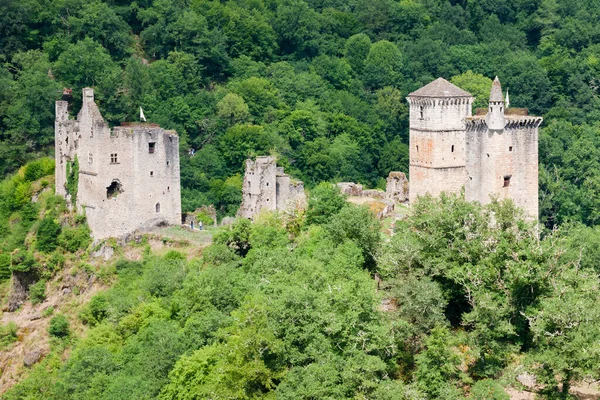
168 188
453 148
417 148
114 189
167 163
267 183
509 148
421 112
506 181
113 158
151 173
157 207
151 147
90 158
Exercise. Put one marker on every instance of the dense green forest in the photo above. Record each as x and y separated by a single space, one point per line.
287 307
319 83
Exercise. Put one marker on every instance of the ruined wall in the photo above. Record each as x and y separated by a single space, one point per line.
266 186
128 176
396 188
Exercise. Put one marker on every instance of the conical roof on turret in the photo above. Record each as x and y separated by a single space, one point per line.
496 93
440 88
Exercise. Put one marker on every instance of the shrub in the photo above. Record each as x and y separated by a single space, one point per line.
4 266
8 334
47 235
48 312
59 326
325 200
22 261
96 310
73 239
205 219
488 389
37 292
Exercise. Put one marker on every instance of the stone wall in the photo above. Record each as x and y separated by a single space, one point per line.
128 175
267 187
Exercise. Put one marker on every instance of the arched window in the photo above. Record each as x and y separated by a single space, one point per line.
157 207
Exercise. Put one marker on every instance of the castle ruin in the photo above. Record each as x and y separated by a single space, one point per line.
266 186
491 154
122 178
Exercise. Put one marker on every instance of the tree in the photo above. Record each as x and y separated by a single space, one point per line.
233 109
478 85
383 65
324 201
357 49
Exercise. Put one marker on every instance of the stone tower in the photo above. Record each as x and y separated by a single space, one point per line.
437 138
502 154
491 154
267 186
127 176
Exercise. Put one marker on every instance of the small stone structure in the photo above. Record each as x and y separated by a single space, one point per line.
397 187
382 203
495 154
350 188
122 178
266 186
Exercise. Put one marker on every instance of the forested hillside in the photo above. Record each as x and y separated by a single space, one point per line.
319 83
467 298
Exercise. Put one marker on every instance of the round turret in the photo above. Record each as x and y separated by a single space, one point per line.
495 115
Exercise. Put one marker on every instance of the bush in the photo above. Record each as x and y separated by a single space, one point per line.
488 389
4 266
59 326
37 292
47 235
22 261
8 334
96 310
325 201
73 239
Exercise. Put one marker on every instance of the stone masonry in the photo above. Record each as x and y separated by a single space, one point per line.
128 175
266 186
492 154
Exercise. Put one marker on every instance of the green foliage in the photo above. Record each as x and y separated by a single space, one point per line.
47 235
59 326
73 179
95 311
236 236
37 292
488 389
359 225
324 201
75 238
8 334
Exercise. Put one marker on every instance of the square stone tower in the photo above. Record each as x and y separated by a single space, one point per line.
491 154
502 154
267 186
437 115
126 177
